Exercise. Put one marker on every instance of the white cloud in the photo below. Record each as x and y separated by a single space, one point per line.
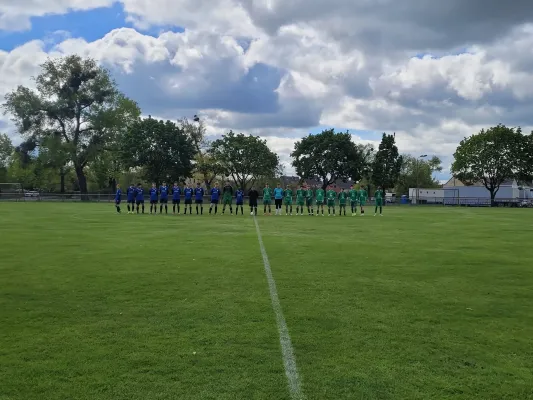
279 68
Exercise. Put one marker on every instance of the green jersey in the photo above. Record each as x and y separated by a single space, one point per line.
267 193
342 197
287 194
363 195
332 195
378 195
309 193
320 195
300 194
354 195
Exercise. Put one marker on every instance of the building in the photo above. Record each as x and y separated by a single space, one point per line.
426 196
457 193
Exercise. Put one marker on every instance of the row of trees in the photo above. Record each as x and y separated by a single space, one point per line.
81 133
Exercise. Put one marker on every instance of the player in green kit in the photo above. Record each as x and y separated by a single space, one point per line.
331 195
300 199
267 199
320 201
378 196
354 197
287 198
343 196
363 195
309 200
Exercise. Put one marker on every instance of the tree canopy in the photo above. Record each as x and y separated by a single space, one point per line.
330 156
387 163
244 158
77 102
493 156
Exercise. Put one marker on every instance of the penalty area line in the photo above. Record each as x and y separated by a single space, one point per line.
287 352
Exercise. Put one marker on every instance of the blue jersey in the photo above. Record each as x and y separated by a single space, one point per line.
199 193
215 194
131 192
153 193
164 192
118 195
188 193
239 194
139 194
278 193
176 192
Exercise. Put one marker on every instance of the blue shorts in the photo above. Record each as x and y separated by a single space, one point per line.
141 201
131 201
153 201
164 201
199 201
117 202
175 201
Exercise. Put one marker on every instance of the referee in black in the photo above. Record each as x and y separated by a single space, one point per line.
253 196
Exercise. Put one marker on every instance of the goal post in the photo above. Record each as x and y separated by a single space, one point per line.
11 192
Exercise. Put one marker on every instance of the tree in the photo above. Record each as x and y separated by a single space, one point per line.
387 163
160 148
415 171
330 156
77 101
6 152
205 165
493 156
245 158
54 154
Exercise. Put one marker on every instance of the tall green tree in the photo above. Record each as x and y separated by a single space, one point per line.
161 149
419 172
75 99
245 158
493 156
6 152
331 156
387 163
54 154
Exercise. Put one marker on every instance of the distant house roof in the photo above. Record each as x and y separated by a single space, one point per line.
453 181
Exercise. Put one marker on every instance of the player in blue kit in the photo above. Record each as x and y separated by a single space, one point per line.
199 198
118 198
176 193
139 197
239 195
153 198
278 198
188 192
215 197
130 194
163 197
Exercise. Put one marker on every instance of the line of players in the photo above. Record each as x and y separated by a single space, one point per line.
305 196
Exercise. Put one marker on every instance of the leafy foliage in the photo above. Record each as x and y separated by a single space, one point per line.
245 158
417 172
161 149
387 163
77 102
493 156
330 156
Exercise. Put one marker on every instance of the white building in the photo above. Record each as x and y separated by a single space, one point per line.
456 192
426 196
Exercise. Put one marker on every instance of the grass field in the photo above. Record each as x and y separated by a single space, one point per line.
424 303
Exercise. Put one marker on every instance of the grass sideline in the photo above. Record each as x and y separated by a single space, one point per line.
424 303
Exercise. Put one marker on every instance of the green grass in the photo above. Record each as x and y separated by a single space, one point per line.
424 303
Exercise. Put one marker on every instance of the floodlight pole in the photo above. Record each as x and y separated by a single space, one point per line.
417 170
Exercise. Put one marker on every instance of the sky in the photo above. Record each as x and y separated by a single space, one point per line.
432 73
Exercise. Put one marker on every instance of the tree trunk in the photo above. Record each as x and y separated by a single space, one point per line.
62 180
82 182
492 197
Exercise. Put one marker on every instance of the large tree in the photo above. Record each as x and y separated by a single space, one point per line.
330 156
492 157
387 163
161 149
76 100
245 158
6 152
206 167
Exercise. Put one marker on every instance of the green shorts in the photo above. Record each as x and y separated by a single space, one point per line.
379 202
287 202
331 203
226 200
308 202
267 201
299 202
353 203
320 202
362 203
342 204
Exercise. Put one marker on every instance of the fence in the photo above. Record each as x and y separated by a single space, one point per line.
425 201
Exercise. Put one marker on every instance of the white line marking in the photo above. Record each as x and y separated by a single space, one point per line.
289 361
